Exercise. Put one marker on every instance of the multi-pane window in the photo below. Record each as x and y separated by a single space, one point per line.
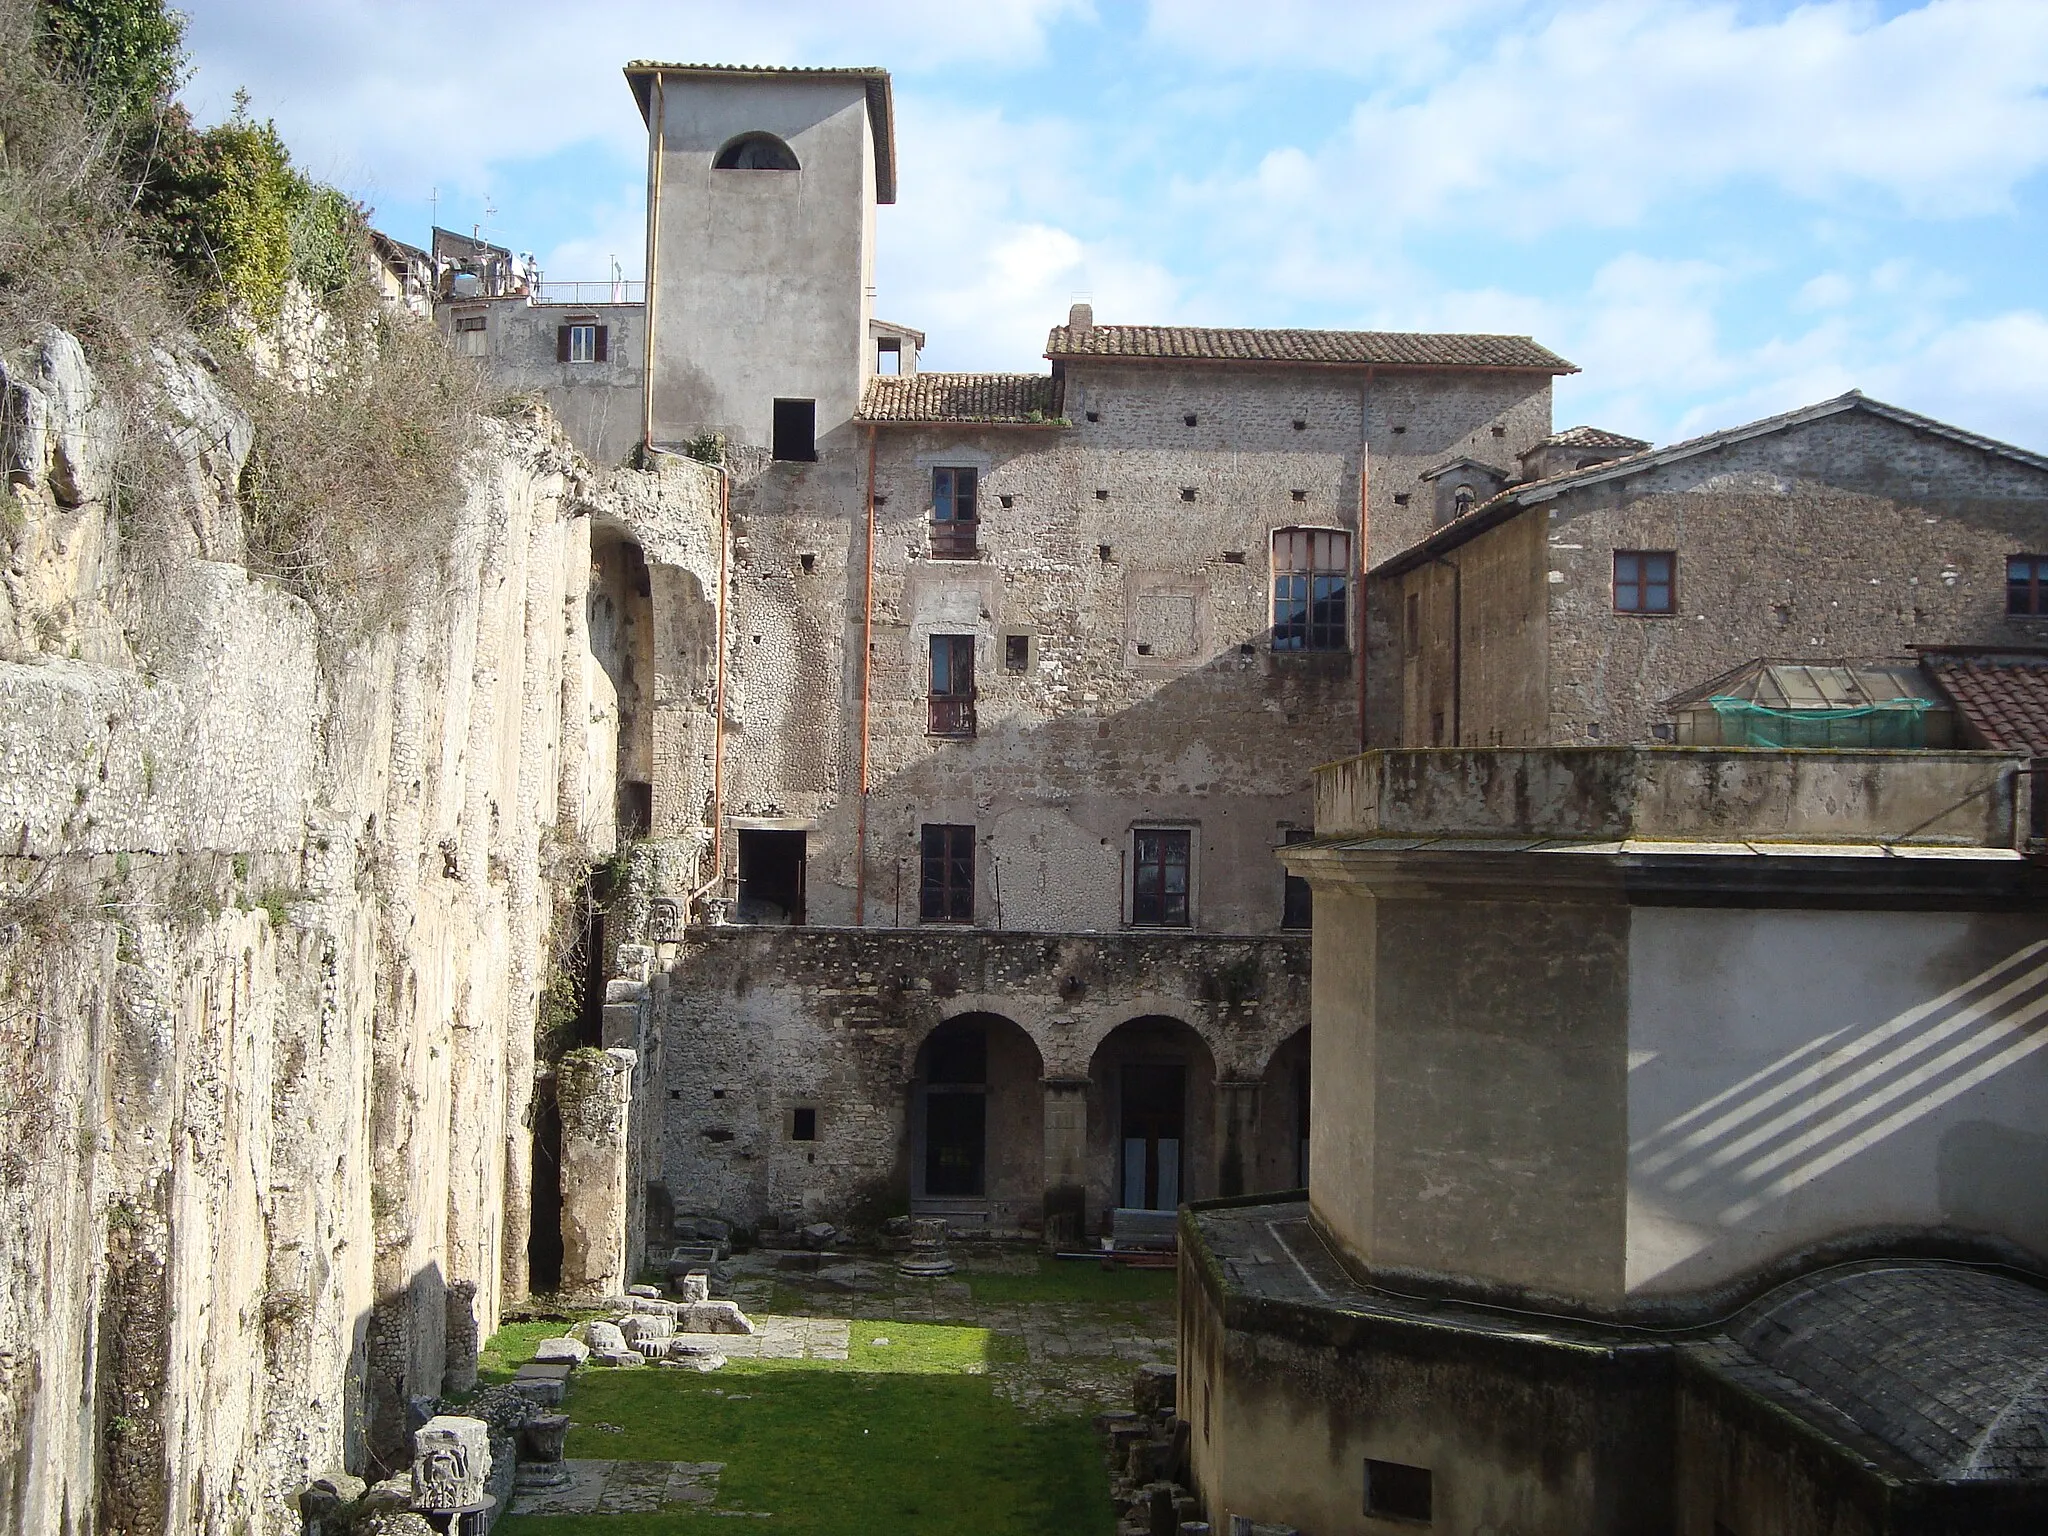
955 510
945 891
1160 859
1645 581
582 343
1311 589
953 494
2026 584
952 694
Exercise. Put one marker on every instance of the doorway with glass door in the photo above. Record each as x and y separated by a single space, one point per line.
1153 1100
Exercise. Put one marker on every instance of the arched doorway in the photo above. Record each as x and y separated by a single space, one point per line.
1152 1116
1281 1160
977 1124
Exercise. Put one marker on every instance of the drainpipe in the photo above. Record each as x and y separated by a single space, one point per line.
1457 649
867 667
1364 404
653 235
718 726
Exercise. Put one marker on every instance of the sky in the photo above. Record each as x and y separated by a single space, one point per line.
1718 211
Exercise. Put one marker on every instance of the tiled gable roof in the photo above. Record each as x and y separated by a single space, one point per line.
995 399
2004 698
1592 437
1394 349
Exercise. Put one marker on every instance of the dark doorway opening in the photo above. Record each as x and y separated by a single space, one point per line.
956 1111
771 878
1154 1102
544 1232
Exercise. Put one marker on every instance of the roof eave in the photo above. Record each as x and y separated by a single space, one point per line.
1558 371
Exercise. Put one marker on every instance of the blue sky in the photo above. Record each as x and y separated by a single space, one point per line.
1716 210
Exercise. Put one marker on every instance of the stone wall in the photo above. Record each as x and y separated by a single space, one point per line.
276 907
758 1022
597 403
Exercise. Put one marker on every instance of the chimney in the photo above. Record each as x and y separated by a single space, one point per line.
1081 317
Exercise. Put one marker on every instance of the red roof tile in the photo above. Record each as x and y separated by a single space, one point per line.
2003 698
1379 348
996 399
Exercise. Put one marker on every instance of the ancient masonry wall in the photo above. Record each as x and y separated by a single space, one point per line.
274 927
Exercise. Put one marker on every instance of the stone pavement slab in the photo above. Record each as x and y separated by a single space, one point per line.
623 1487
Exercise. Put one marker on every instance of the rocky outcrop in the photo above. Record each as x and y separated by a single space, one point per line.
272 930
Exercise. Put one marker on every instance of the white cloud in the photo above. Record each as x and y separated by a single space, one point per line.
380 94
1339 35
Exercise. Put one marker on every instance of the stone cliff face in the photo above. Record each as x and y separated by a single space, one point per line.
272 931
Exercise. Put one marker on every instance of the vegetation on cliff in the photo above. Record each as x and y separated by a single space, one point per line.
141 233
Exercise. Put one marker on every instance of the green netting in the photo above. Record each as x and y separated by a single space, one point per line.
1898 722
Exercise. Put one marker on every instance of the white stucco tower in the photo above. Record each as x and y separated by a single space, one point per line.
761 194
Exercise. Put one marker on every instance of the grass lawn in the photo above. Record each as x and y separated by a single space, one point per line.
907 1436
1074 1280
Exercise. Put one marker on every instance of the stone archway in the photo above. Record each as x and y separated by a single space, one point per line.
977 1125
1151 1116
1279 1145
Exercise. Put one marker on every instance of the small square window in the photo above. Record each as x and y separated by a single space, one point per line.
2026 585
1645 581
1101 495
1188 420
1299 495
803 1124
1395 1491
1400 498
1187 493
1095 415
1300 425
1016 653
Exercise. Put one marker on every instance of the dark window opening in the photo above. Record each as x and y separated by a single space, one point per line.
796 431
756 152
1299 495
1187 493
1008 501
2026 584
1144 649
945 891
1643 581
1398 1492
1300 425
1311 589
1233 557
808 561
771 878
1094 415
952 685
1462 500
889 355
1160 860
1400 498
544 1233
803 1124
1188 420
1500 431
636 808
1399 430
1102 495
1297 900
1102 553
1016 653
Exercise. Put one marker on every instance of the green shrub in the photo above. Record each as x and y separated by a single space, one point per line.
125 56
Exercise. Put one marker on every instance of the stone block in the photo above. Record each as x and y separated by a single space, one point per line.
702 1229
800 1263
715 1317
544 1370
695 1286
561 1351
641 1327
604 1338
543 1392
543 1437
643 1290
326 1502
627 1356
451 1462
820 1234
1153 1388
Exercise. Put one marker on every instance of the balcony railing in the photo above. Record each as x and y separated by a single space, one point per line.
622 292
956 539
952 715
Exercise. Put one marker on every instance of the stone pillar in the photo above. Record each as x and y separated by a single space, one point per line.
1066 1162
594 1091
1237 1124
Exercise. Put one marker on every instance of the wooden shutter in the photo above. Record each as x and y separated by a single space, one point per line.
561 344
604 343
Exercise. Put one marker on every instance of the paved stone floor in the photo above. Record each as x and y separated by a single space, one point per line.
622 1488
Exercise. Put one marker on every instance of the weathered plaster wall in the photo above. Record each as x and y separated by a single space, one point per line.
1903 1092
276 911
597 403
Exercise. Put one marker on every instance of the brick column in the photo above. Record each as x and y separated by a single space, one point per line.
1066 1162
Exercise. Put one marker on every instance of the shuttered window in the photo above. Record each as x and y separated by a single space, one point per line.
583 341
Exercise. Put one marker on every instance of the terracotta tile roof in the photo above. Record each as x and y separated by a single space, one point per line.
2003 697
1382 348
998 399
1592 437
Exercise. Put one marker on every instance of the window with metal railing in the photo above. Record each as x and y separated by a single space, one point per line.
956 512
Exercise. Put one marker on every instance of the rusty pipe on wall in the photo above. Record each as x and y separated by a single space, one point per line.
867 668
